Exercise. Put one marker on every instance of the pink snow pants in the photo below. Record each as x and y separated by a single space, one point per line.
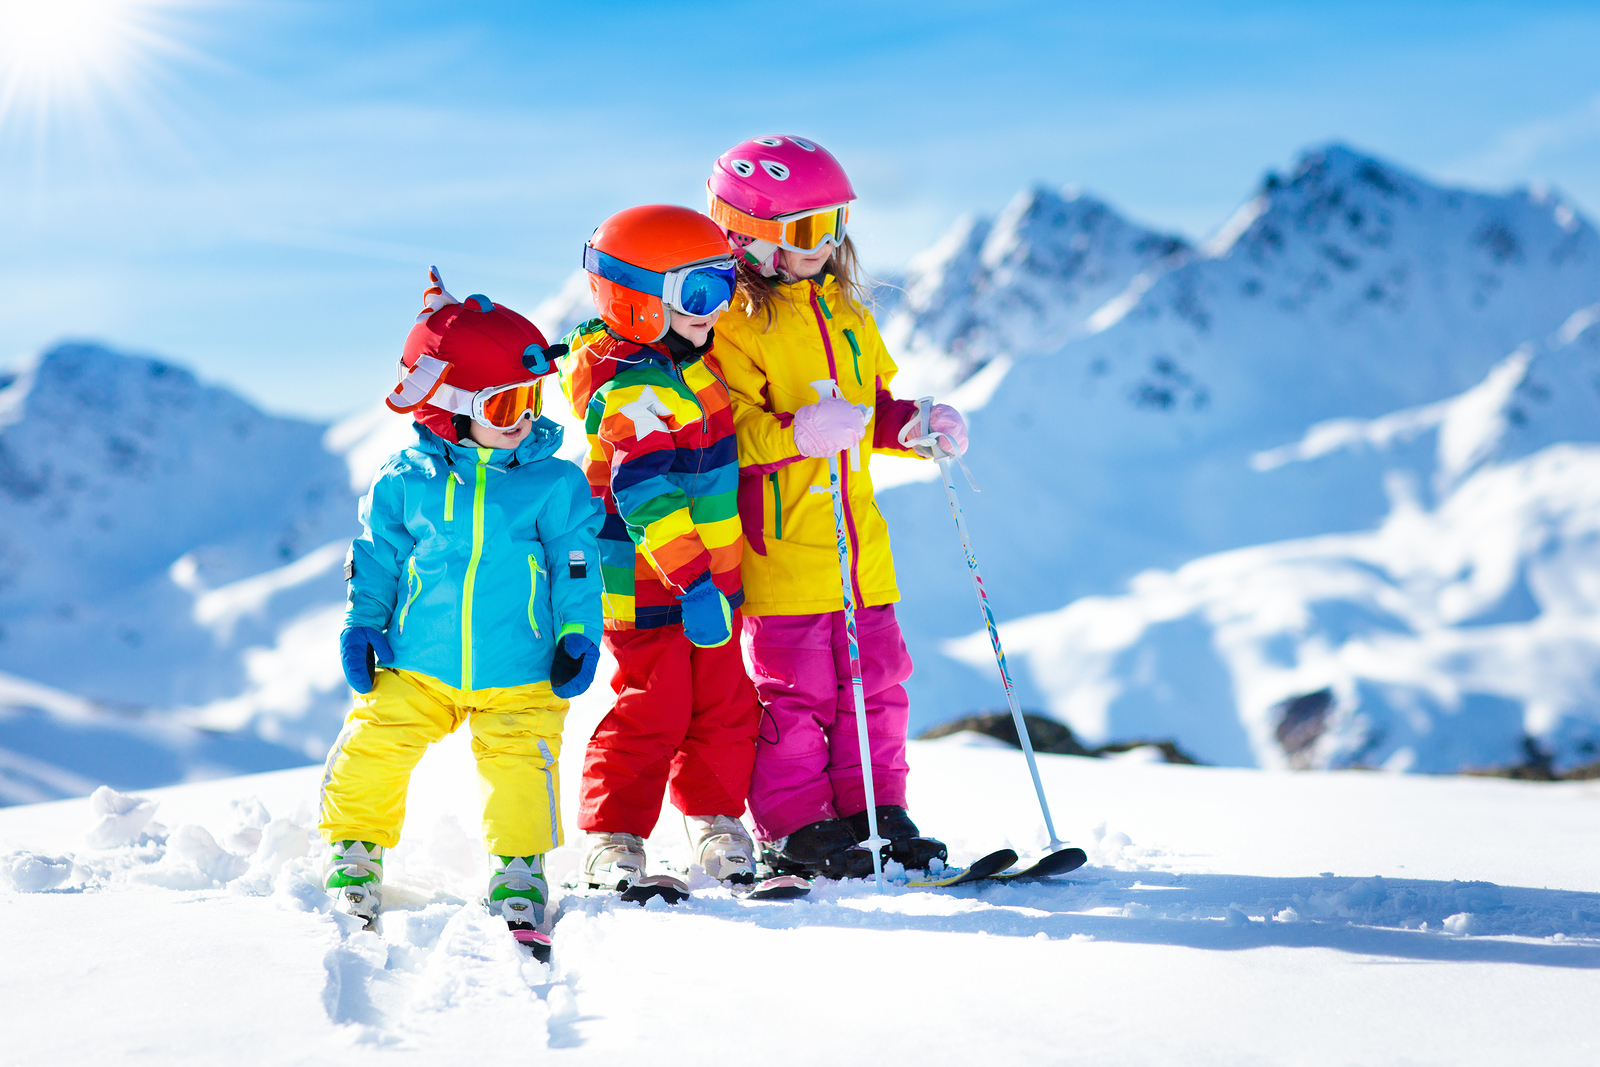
808 758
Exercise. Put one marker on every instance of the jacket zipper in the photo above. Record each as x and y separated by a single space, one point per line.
414 586
855 353
819 307
533 596
705 424
472 568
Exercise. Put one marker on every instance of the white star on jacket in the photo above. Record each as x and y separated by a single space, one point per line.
645 413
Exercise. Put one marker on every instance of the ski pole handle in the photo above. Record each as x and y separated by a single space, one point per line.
928 447
827 388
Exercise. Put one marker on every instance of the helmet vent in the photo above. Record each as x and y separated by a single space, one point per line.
778 171
742 167
807 145
770 142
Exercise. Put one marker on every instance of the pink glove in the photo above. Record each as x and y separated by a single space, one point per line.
828 427
942 419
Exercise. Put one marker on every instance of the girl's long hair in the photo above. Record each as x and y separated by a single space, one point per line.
759 292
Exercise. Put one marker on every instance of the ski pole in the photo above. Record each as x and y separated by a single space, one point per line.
826 388
930 441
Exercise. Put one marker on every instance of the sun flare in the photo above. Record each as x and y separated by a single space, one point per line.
62 54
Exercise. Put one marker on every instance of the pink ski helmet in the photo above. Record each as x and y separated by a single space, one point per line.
768 178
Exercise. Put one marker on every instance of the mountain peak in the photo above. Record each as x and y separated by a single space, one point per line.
1018 284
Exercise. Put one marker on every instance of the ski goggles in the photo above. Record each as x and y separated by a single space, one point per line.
499 407
800 231
697 290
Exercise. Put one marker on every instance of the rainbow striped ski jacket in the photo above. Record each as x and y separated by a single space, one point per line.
664 458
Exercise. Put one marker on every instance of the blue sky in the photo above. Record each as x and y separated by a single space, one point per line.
258 192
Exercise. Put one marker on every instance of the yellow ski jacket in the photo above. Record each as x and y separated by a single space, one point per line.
791 562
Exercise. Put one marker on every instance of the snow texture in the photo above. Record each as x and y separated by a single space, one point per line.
1226 916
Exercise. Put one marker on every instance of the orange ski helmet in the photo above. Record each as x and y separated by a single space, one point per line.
634 260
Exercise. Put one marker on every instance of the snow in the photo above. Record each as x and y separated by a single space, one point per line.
1458 922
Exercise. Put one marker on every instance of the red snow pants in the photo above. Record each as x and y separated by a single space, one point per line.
684 721
808 764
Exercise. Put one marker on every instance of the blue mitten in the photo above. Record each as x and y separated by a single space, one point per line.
707 619
572 669
361 649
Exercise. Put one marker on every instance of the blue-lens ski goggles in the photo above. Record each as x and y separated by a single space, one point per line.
696 290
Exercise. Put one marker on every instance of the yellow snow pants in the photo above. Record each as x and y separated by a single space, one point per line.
516 738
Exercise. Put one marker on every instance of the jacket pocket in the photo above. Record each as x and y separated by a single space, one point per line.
533 593
413 590
777 508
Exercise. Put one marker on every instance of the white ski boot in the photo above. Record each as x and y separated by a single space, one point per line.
353 872
723 847
613 861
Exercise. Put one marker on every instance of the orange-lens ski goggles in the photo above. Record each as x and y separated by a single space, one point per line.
503 406
804 231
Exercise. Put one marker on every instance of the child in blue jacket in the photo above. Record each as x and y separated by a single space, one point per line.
474 595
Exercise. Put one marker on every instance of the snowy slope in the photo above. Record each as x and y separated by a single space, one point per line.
1460 631
1227 916
1349 289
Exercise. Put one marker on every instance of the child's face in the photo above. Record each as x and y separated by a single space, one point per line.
805 264
694 330
489 438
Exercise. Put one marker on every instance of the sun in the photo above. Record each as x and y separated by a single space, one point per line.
58 55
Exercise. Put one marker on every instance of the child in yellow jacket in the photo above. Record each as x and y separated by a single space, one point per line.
800 319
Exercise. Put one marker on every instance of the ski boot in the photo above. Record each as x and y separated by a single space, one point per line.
518 894
613 861
353 872
723 847
906 846
826 848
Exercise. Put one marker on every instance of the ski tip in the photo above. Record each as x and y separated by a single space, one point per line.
668 888
779 887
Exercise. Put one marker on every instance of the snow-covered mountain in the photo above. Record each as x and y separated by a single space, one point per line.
1018 285
1349 289
169 574
1280 410
1461 633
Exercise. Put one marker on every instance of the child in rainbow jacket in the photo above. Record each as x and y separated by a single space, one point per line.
474 596
663 457
801 319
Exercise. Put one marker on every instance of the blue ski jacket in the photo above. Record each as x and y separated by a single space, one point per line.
476 561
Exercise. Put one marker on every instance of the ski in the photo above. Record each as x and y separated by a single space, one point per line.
533 939
779 887
986 867
664 886
1068 859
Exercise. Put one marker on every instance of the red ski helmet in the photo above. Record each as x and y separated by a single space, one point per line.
657 239
457 348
